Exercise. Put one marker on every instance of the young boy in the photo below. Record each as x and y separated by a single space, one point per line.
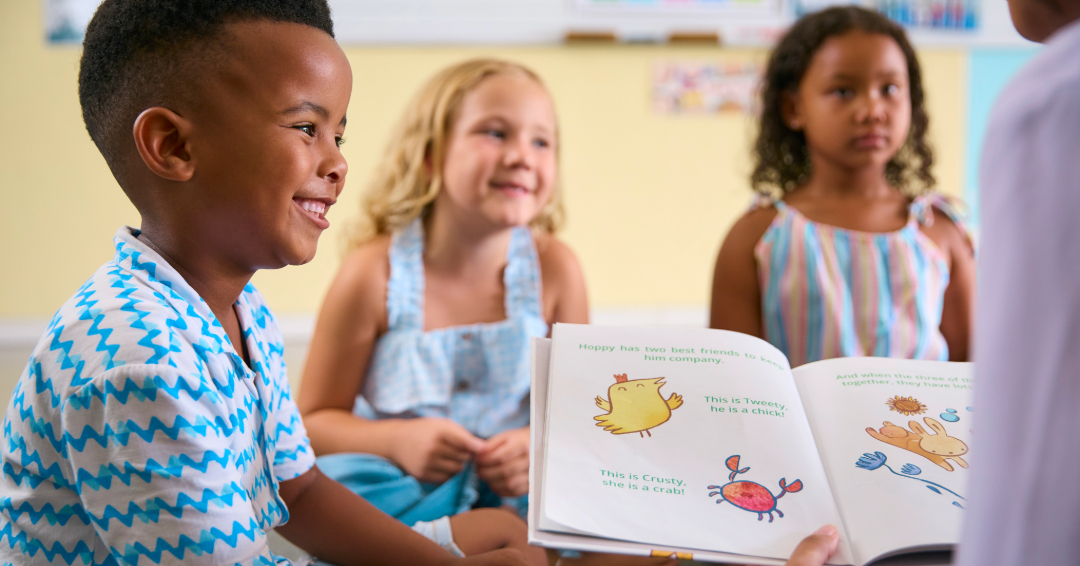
153 423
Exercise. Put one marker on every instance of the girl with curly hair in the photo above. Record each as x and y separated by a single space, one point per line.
848 251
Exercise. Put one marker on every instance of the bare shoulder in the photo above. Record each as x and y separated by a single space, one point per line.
748 229
368 262
359 289
948 235
735 303
556 258
563 282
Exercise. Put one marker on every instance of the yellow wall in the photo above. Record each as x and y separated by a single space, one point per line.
649 196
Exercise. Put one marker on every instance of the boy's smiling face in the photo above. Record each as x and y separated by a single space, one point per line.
264 140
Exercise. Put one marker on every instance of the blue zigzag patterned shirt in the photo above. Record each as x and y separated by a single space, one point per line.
136 434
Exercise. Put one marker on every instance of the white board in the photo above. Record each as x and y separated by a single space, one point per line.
433 22
536 21
753 23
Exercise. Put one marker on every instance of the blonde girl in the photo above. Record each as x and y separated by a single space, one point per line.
415 392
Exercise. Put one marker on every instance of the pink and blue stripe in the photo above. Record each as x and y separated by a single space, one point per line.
828 292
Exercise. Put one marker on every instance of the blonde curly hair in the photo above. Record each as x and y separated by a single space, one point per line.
404 186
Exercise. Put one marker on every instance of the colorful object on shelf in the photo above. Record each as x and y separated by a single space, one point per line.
921 14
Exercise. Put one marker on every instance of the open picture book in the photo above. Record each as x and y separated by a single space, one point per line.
706 445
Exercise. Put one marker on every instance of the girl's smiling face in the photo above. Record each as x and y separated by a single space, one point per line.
853 103
499 166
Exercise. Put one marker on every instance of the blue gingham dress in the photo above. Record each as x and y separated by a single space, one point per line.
474 374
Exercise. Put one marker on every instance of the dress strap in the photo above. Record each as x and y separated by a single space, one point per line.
923 207
405 290
522 276
766 201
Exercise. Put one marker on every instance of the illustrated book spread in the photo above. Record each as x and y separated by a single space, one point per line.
705 445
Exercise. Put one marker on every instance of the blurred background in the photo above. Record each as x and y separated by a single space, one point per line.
655 103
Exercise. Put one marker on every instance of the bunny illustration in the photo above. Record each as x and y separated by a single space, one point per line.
935 448
940 443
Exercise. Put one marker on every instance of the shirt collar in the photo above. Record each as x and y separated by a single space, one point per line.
1068 32
142 261
134 256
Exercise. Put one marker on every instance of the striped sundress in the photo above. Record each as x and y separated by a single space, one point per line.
828 292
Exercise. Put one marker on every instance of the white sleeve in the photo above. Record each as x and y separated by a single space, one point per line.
292 448
1024 497
155 456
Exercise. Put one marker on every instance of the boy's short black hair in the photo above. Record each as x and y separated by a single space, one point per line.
782 160
138 54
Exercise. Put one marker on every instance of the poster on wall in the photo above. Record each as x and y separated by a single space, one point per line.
683 87
65 20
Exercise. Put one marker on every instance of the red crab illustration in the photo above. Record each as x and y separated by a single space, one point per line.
751 496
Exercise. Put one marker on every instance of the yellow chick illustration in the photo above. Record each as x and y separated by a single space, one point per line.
635 406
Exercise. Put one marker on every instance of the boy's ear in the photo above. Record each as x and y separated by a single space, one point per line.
789 110
161 137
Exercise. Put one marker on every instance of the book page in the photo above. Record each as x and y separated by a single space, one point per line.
680 437
894 438
547 533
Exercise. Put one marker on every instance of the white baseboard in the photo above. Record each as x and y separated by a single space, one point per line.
23 333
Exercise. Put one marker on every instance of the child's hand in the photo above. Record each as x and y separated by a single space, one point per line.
817 548
434 450
501 557
504 462
598 559
480 530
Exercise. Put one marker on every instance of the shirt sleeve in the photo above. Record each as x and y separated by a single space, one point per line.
288 437
166 470
1025 502
292 448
